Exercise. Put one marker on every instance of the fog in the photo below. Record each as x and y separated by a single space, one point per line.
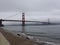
39 10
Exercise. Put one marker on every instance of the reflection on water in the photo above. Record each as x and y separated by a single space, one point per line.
23 29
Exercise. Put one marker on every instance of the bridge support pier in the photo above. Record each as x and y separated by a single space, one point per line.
1 23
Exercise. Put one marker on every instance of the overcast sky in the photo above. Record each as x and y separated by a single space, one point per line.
29 5
36 8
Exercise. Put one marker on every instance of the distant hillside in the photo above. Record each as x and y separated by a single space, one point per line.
32 24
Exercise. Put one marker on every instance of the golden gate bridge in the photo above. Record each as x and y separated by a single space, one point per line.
23 20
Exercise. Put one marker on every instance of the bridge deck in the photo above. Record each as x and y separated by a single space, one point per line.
25 21
20 20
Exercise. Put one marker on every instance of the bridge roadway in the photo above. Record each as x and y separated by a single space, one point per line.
26 21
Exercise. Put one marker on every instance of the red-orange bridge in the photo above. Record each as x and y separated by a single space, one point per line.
23 21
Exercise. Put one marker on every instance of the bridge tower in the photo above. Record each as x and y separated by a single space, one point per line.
48 21
1 23
23 19
23 22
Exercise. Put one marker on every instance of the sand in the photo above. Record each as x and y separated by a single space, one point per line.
15 40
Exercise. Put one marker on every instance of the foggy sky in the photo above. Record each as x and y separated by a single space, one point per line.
29 5
38 9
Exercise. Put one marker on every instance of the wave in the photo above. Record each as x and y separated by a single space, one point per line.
42 42
48 43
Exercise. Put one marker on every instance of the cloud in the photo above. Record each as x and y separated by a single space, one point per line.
29 5
36 9
55 12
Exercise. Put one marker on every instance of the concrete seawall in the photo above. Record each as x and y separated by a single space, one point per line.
3 40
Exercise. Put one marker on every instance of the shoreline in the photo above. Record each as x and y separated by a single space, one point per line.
15 40
19 40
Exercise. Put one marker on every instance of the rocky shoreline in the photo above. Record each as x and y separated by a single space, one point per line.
15 40
20 39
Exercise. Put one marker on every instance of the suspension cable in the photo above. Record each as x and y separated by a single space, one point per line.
11 16
17 14
32 17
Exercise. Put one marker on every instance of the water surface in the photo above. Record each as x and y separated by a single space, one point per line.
49 33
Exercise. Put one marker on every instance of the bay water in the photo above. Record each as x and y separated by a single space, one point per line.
48 33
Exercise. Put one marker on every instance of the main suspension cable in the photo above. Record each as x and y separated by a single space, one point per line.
11 16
